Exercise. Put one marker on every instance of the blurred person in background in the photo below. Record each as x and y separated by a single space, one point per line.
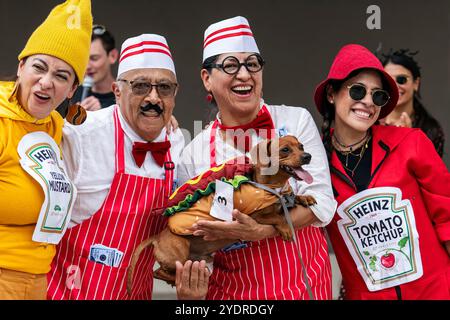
95 92
410 112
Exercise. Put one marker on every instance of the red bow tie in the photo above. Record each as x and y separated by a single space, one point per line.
262 122
158 150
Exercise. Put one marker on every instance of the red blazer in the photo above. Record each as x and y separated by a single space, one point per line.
404 158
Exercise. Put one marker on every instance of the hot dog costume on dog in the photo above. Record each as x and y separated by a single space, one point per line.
269 268
193 200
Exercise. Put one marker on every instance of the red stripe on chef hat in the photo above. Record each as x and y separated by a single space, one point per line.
230 35
223 30
145 51
142 48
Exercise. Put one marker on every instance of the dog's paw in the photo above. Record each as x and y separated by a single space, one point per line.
306 201
165 276
285 232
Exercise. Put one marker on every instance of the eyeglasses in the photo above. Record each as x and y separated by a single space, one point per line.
402 79
143 88
98 29
358 91
231 65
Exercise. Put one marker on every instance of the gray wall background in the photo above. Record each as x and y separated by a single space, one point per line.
298 39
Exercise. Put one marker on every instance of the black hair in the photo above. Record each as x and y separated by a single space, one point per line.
213 110
422 118
207 64
328 118
107 39
403 57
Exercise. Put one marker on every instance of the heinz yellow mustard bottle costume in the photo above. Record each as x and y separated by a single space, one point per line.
35 193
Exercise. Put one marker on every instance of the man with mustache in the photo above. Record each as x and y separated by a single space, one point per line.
122 161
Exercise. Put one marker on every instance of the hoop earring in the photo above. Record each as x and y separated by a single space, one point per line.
76 114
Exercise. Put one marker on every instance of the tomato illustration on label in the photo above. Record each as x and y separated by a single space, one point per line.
388 260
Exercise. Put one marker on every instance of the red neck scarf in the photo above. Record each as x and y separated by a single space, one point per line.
262 124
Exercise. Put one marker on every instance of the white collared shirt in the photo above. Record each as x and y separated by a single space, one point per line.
89 155
287 120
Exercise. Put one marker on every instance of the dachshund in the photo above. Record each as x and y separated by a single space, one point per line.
170 247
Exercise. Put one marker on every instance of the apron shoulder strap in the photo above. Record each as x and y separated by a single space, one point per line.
119 143
169 168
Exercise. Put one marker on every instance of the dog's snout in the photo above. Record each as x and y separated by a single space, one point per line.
305 158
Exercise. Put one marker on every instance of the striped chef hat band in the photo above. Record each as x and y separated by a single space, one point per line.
230 35
145 51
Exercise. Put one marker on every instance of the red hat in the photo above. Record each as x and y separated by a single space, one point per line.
350 58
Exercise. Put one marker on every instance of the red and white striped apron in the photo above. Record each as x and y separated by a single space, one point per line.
270 268
131 212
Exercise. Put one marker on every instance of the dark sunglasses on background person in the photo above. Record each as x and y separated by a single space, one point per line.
358 91
231 65
401 79
98 29
143 88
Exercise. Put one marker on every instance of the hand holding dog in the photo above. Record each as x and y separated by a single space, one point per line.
243 227
192 280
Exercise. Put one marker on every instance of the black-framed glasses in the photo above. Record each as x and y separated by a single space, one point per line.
358 91
98 29
143 88
401 79
231 65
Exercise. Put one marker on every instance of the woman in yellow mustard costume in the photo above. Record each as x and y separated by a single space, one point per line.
51 66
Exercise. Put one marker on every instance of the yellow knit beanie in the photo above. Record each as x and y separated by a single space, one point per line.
65 34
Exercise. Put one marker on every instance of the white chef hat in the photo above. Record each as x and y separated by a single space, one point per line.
145 51
230 35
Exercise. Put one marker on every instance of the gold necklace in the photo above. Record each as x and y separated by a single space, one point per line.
360 155
350 146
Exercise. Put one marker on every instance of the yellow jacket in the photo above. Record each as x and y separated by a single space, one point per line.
21 197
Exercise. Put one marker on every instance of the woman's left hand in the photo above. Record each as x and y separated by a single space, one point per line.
404 121
192 280
172 125
243 227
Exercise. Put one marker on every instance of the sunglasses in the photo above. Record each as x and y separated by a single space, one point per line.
143 88
231 65
358 91
402 79
98 29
